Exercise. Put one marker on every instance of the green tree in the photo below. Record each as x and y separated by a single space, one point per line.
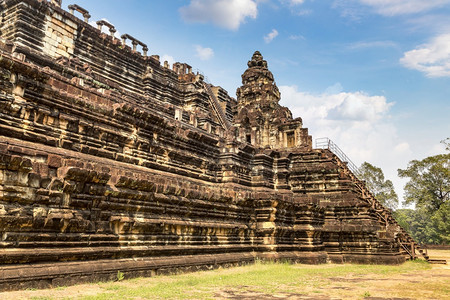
429 189
429 182
404 217
382 189
441 221
426 227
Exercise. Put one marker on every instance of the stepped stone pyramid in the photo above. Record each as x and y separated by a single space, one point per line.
111 160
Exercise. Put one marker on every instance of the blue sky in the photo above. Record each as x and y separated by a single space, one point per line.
372 75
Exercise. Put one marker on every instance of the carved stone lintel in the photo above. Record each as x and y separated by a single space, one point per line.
84 12
112 29
135 42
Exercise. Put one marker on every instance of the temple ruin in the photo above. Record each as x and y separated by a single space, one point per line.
111 160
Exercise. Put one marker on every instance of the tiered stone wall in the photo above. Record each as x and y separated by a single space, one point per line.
352 231
111 161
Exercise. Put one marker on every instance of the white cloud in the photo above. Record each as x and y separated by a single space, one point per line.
229 14
293 5
204 53
270 36
334 107
402 7
358 123
372 44
350 9
433 58
433 22
304 12
436 149
356 9
295 37
293 2
359 107
402 148
334 89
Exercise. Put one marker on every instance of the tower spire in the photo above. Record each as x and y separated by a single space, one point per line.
258 84
261 120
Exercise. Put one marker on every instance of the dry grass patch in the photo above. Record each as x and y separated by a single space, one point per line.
411 280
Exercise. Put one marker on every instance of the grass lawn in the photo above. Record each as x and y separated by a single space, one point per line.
265 280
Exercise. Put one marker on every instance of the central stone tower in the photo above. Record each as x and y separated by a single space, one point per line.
262 121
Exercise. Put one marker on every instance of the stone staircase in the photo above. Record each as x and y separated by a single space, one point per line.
217 108
410 248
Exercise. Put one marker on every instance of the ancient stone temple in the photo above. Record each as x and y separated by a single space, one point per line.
111 161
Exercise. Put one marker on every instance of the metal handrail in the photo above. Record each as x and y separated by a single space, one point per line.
412 255
326 143
200 72
217 108
213 100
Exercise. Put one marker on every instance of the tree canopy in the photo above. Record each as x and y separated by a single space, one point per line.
382 189
429 182
424 226
429 189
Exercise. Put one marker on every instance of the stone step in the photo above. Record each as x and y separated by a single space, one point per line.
437 261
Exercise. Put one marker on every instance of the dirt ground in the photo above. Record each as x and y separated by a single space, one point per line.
433 283
406 286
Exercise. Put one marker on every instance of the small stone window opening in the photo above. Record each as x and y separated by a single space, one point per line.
290 138
249 138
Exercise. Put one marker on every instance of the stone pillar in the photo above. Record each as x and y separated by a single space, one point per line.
266 228
134 43
112 31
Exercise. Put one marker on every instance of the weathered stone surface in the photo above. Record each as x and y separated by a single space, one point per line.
111 161
260 119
